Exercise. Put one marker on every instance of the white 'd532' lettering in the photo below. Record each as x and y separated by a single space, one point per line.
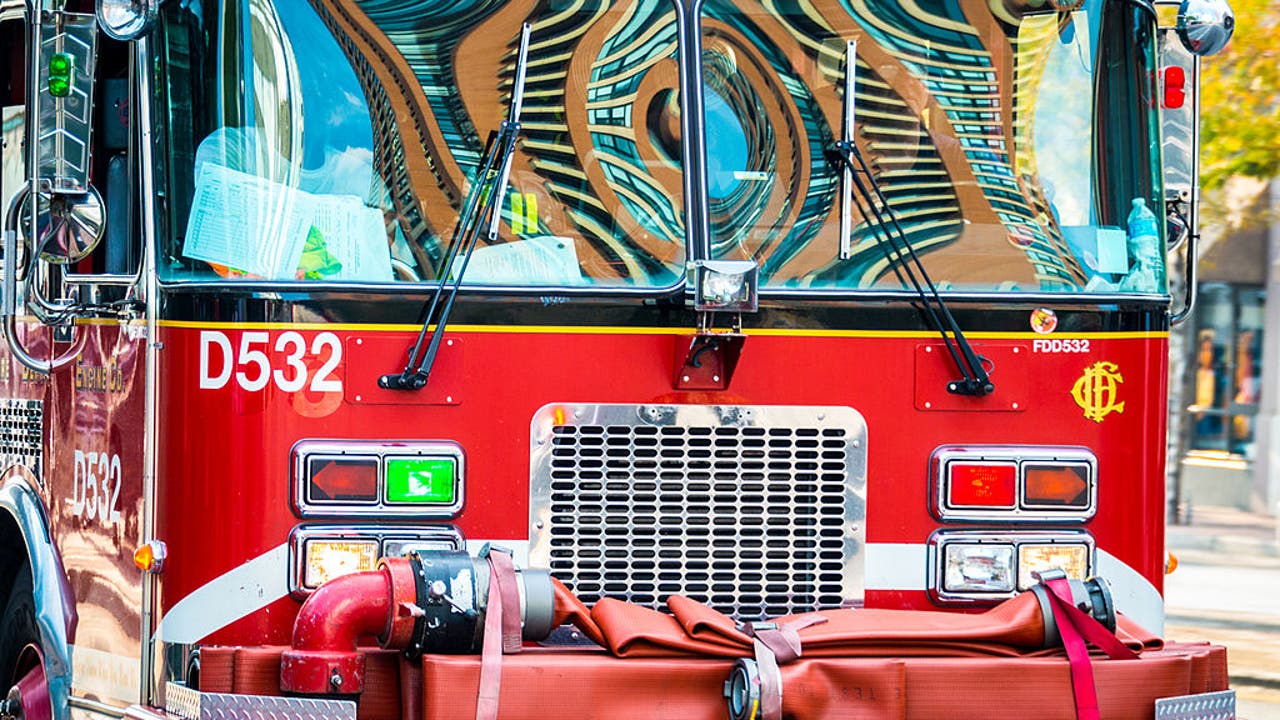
95 492
254 368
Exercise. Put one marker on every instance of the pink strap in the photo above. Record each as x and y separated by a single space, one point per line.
504 572
504 605
784 639
776 645
1076 627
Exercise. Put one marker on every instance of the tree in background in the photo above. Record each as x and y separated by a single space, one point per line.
1240 99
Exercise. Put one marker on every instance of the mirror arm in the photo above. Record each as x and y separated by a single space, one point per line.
9 310
1189 273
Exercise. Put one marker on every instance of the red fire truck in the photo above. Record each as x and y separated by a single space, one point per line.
416 359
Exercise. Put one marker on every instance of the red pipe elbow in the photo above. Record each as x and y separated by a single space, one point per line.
324 659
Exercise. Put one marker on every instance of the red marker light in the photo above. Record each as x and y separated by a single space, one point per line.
992 485
1175 87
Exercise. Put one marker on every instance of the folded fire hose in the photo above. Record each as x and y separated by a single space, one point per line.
466 620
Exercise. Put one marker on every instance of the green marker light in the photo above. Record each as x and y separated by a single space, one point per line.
420 481
61 67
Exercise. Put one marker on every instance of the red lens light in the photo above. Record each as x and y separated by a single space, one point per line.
982 484
342 479
1175 84
1056 485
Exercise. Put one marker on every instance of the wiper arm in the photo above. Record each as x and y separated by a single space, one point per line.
892 239
481 214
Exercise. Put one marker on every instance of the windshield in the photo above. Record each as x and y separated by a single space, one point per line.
336 140
977 120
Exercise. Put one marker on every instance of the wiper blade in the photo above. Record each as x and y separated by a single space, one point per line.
892 239
481 215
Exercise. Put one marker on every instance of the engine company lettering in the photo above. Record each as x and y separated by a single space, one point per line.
99 378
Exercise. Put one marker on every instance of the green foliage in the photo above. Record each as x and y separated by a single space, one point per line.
1240 99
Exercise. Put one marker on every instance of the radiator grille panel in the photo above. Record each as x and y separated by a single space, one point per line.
757 517
22 435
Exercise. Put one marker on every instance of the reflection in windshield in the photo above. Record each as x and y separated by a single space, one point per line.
335 140
975 118
596 186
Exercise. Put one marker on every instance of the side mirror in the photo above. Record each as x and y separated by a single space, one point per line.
1205 26
69 216
127 19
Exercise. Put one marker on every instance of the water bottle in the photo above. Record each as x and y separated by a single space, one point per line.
1146 272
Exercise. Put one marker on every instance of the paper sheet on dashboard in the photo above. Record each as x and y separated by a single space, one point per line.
540 260
261 227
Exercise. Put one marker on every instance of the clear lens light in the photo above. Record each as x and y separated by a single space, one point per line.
1071 559
723 289
126 19
328 559
978 568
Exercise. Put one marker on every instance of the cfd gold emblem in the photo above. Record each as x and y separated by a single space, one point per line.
1096 390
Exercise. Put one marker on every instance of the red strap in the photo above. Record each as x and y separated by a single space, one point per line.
1075 627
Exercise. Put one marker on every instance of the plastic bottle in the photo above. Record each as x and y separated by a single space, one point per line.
1145 271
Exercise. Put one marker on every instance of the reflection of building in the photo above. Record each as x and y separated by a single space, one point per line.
938 96
438 79
1230 387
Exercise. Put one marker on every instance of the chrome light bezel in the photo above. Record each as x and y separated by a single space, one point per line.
1021 456
380 451
443 537
940 539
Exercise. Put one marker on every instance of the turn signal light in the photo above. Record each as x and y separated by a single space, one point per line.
983 485
1070 558
1056 485
328 559
149 557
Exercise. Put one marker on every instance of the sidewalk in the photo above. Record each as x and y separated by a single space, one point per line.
1242 536
1225 590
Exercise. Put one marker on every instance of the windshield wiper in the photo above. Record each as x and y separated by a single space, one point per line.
481 214
892 239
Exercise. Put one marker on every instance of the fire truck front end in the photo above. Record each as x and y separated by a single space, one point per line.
505 359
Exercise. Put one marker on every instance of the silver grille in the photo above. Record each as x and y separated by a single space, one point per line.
22 435
757 511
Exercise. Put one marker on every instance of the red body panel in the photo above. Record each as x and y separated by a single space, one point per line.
224 493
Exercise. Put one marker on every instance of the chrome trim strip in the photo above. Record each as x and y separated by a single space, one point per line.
1020 456
941 538
54 600
381 451
152 675
80 703
381 533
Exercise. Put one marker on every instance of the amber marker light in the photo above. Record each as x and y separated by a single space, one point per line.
149 557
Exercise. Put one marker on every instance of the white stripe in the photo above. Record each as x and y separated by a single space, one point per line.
227 598
1132 593
896 566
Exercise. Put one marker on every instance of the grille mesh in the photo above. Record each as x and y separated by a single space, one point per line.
22 434
750 520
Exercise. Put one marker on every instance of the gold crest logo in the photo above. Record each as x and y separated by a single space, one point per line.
1097 389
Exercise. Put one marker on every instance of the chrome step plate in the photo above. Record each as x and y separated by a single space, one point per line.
1203 706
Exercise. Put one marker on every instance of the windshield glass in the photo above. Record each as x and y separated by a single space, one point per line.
977 121
336 140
